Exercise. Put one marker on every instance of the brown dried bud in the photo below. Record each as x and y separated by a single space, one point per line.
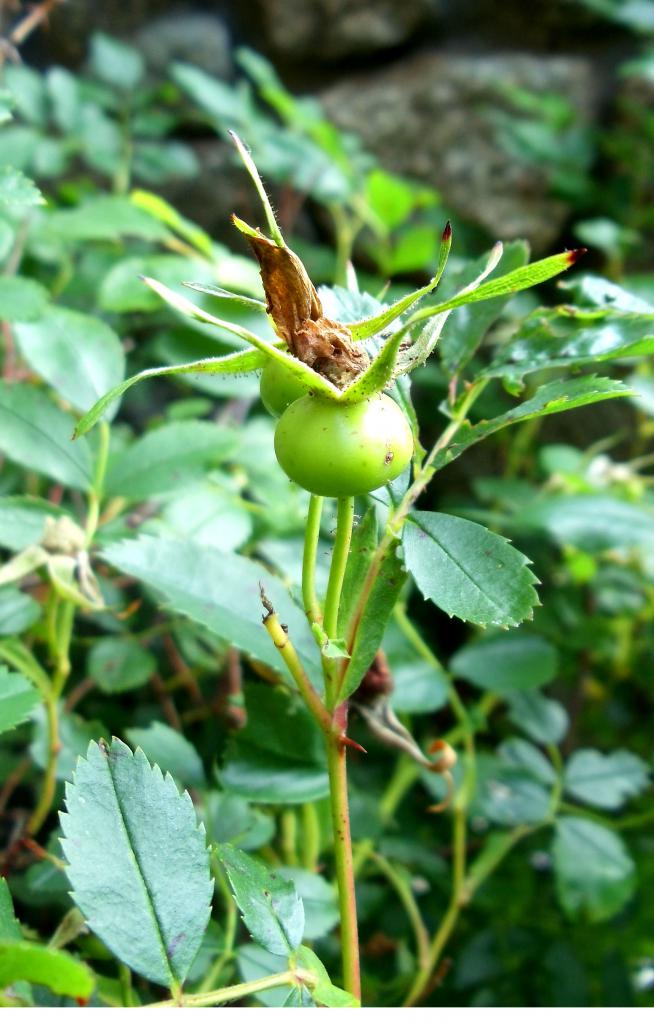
296 310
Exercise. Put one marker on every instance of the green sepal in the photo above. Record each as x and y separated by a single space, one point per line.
374 324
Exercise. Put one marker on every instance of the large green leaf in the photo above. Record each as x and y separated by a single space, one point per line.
57 970
21 298
78 355
379 605
168 459
35 433
605 780
568 337
137 861
507 662
272 910
557 396
467 570
594 873
18 698
220 590
235 362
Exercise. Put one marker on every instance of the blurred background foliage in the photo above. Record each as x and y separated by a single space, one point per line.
372 124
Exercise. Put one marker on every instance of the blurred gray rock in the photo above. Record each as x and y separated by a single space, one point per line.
322 30
199 39
72 23
432 118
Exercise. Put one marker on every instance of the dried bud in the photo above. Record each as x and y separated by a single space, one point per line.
296 310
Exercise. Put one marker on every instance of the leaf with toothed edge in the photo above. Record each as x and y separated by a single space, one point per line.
137 861
556 396
468 571
272 910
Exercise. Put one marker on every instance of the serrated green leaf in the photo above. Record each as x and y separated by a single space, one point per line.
236 362
137 861
18 698
467 570
605 780
78 355
507 662
35 433
594 873
58 971
560 337
21 298
318 898
272 910
557 396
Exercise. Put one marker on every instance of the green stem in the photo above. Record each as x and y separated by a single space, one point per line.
344 523
231 923
95 495
407 899
340 812
62 620
284 645
289 836
234 992
311 538
310 837
49 783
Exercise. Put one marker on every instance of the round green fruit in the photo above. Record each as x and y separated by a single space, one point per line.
278 387
342 450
